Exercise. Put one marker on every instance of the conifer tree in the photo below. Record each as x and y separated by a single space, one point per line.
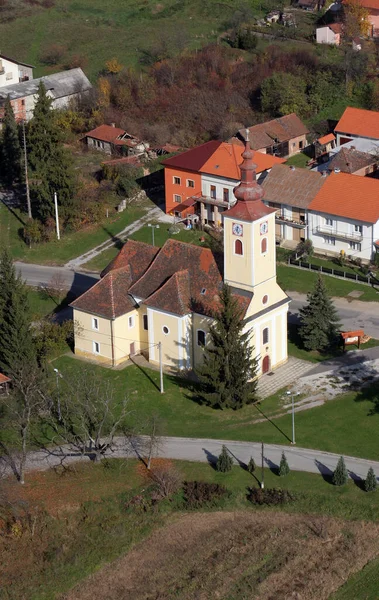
251 465
370 481
224 461
319 319
283 466
17 347
11 150
228 364
50 163
340 475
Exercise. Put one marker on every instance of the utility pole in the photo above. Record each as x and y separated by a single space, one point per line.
290 393
161 365
56 215
263 473
26 173
152 230
59 395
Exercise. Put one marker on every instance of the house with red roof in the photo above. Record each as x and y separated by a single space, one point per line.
113 140
329 34
344 216
200 182
357 123
162 301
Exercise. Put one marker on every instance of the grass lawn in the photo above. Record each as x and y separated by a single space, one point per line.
364 585
298 160
144 234
300 280
328 427
41 305
70 245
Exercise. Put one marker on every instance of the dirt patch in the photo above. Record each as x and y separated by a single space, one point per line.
263 555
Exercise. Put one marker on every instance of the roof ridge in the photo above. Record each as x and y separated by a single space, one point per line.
112 295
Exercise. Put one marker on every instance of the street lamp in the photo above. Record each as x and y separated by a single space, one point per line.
59 398
152 230
290 393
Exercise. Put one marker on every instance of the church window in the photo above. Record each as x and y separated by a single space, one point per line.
165 330
265 335
200 337
265 299
145 323
264 246
131 322
238 247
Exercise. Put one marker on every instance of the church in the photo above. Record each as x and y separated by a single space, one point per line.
168 295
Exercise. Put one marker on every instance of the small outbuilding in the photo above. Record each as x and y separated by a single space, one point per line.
4 384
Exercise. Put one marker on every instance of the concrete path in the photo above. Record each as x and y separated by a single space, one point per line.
284 376
206 450
153 214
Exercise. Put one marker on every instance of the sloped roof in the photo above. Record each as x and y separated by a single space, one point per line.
248 211
325 139
221 159
4 378
174 295
350 196
60 85
292 186
336 27
105 133
374 4
263 135
16 62
349 160
357 121
137 255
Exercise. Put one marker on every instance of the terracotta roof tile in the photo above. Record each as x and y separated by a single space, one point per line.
359 122
4 378
295 187
265 134
349 160
336 27
325 139
349 196
137 255
105 133
249 210
174 295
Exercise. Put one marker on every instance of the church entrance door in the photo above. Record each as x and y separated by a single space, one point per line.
266 364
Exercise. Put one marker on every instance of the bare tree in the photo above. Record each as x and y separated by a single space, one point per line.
85 416
149 441
19 411
57 287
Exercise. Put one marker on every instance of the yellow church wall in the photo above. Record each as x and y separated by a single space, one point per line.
199 323
238 268
126 332
175 343
265 262
270 289
86 335
276 346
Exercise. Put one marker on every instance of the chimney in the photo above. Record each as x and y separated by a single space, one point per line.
292 168
324 174
337 170
113 124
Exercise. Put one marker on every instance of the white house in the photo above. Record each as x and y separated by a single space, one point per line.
357 123
329 34
12 71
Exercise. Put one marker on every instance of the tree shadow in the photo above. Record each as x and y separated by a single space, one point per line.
326 473
358 480
370 393
274 468
145 373
118 243
211 458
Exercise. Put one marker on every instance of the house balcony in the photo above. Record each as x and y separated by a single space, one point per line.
297 223
342 235
213 201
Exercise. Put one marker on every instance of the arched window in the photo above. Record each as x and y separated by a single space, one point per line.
265 335
200 337
238 247
264 246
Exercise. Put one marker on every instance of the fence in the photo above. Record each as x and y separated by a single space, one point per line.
339 273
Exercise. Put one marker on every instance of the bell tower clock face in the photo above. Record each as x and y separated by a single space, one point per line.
237 229
263 228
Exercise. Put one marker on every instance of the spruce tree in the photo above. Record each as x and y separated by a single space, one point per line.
17 348
340 475
228 364
319 319
51 165
370 481
251 465
11 149
283 466
224 461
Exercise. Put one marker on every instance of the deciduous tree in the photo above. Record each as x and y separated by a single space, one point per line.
228 372
319 319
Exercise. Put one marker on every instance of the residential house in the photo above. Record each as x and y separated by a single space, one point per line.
113 140
12 71
290 190
282 137
4 384
372 6
63 88
329 34
200 182
344 216
357 123
324 145
350 160
161 301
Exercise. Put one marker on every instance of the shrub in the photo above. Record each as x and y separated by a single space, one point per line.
251 465
283 467
270 496
167 481
224 461
370 481
340 475
53 54
201 493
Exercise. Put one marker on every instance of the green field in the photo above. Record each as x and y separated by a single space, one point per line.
99 31
328 427
70 245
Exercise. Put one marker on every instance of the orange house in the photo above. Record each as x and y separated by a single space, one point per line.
180 184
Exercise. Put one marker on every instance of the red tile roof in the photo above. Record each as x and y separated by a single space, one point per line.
264 135
335 27
105 133
373 4
325 139
349 196
4 378
221 159
249 211
356 121
350 160
137 255
292 186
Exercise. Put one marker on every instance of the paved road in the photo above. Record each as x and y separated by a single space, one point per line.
39 276
205 450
